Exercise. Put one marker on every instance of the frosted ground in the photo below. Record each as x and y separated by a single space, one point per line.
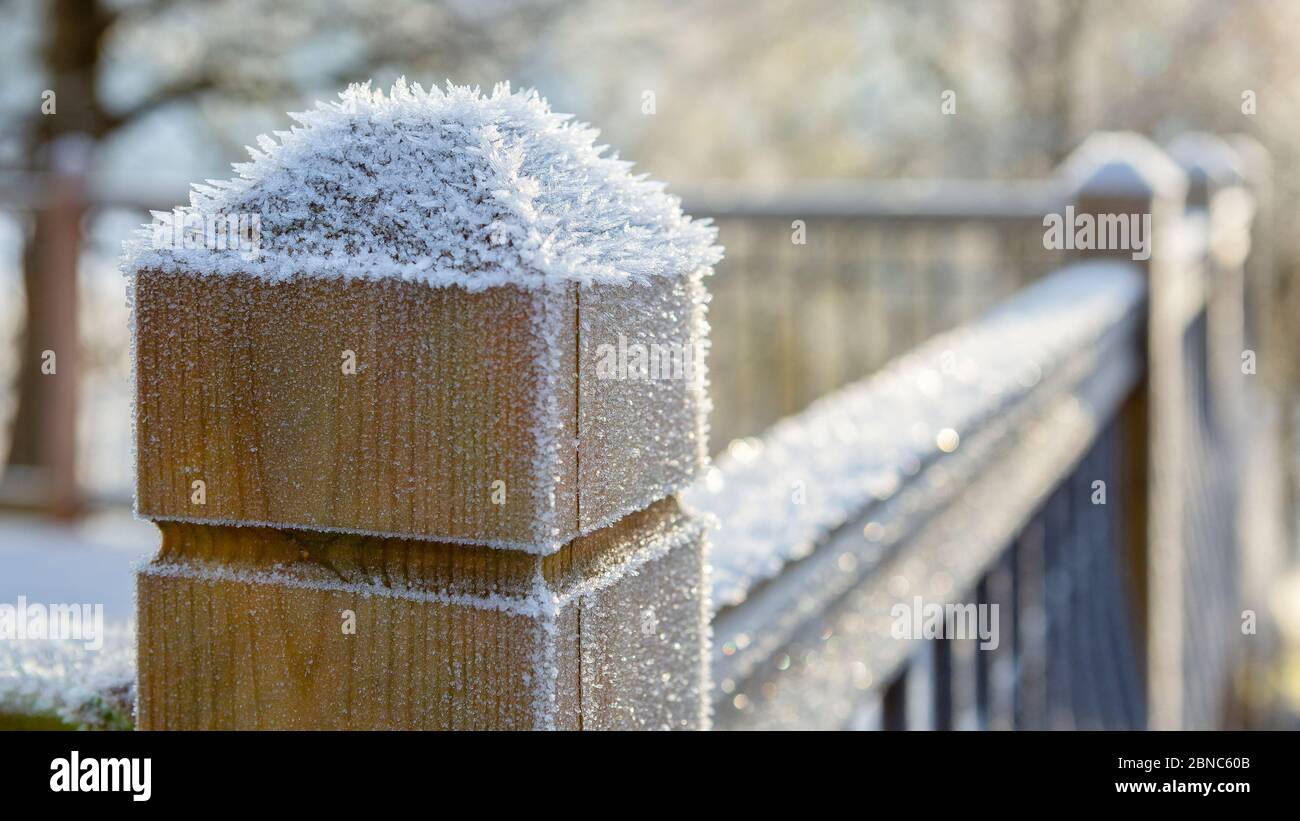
90 562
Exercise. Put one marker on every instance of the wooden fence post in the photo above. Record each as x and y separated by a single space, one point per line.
425 500
1258 171
1125 175
1219 199
1264 488
1217 194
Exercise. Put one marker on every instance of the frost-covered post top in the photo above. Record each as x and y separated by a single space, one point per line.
1124 179
435 349
446 187
427 335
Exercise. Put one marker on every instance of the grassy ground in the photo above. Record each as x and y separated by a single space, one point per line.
9 721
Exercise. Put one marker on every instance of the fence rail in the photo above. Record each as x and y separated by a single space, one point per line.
909 485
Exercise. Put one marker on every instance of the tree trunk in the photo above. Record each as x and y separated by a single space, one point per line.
41 460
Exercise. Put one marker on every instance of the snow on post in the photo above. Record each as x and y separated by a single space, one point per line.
415 392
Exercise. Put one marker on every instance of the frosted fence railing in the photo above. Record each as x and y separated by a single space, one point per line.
884 453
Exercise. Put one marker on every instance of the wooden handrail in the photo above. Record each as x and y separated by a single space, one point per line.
871 477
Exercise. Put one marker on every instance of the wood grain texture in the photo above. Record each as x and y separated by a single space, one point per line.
240 384
242 628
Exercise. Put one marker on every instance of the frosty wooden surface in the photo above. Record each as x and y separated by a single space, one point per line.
640 437
459 399
243 628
